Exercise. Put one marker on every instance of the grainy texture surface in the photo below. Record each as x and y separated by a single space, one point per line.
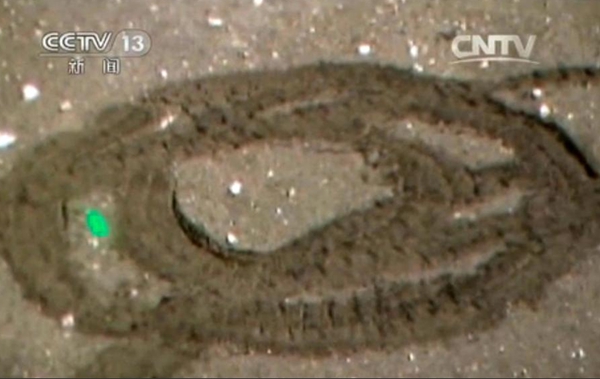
556 337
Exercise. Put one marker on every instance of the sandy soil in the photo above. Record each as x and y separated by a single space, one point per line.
45 333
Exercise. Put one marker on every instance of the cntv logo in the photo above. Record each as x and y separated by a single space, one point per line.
494 47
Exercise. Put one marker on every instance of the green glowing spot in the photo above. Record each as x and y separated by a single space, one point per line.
97 223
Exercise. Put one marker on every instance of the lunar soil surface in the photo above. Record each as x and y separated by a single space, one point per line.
436 255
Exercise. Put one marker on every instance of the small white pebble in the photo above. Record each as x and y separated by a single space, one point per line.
544 110
164 73
270 174
257 3
291 192
579 354
409 125
30 92
153 8
417 67
275 55
232 239
414 51
67 321
7 139
235 188
411 357
134 292
364 49
278 211
166 121
485 64
569 116
215 21
66 106
537 93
